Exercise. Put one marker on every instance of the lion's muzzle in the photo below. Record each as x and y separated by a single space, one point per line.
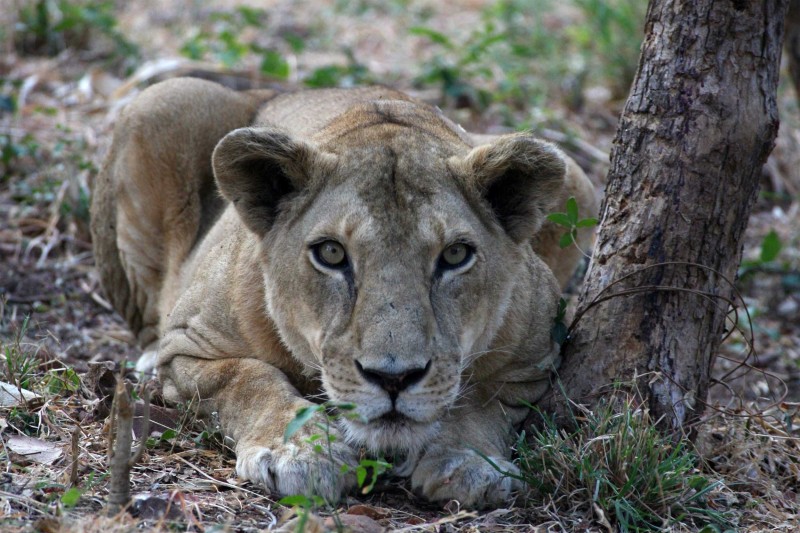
393 382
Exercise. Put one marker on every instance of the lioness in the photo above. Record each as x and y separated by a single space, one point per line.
349 245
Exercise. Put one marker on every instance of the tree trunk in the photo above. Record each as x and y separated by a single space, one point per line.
698 125
793 43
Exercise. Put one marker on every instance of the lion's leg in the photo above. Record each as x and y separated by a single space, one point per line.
254 402
156 194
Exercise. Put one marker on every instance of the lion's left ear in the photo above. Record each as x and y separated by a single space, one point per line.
519 176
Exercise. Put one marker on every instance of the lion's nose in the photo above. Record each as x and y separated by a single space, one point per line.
393 382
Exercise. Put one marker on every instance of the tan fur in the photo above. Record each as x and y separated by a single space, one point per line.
438 362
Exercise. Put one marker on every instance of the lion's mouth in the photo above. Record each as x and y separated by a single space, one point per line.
390 433
394 417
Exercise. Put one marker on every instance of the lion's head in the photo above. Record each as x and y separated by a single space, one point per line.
396 255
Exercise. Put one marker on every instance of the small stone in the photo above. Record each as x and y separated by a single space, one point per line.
788 307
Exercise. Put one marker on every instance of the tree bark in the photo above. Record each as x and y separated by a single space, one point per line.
793 43
698 125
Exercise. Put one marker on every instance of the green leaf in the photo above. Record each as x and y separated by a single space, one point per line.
71 497
566 240
273 64
559 333
561 311
361 475
295 500
560 218
433 35
770 247
168 434
587 223
572 210
295 42
194 49
303 415
252 16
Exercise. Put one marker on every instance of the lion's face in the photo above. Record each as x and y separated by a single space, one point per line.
393 285
389 257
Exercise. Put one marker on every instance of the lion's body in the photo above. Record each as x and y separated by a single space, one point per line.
244 315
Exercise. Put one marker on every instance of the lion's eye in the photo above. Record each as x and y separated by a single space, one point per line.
330 254
455 256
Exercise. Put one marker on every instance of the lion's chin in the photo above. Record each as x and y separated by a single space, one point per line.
391 435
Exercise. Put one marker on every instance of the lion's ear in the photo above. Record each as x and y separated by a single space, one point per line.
257 168
519 176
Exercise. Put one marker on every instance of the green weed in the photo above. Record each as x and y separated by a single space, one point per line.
323 416
21 369
20 366
570 220
617 467
460 66
528 51
352 74
17 154
224 40
559 332
609 40
51 26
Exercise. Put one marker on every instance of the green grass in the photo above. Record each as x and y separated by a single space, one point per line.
618 469
20 364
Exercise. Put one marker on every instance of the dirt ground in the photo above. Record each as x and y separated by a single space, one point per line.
58 104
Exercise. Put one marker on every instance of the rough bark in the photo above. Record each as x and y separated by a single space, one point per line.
793 43
698 125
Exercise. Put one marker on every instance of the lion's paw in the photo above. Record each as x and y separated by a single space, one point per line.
466 477
290 469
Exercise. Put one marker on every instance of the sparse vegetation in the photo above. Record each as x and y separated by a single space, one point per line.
223 40
619 469
524 55
51 26
366 469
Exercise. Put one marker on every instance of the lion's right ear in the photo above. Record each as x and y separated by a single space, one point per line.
257 168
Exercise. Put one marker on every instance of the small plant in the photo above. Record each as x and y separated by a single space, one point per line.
609 40
49 27
223 41
21 370
560 332
460 64
64 381
617 467
771 247
321 442
15 153
354 73
366 469
522 46
20 365
570 220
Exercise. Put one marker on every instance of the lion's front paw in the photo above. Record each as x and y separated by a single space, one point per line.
467 477
290 468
